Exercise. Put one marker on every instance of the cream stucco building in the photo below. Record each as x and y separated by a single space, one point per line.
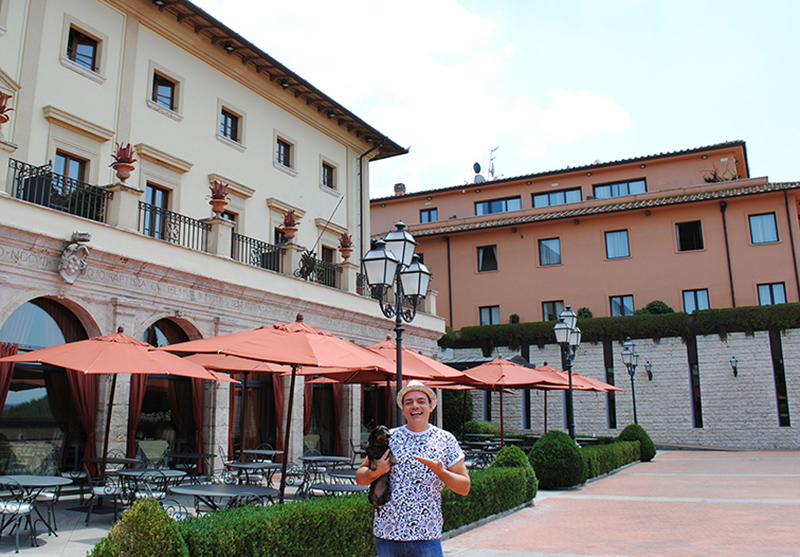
200 104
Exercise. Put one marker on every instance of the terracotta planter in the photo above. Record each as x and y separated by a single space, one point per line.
123 170
4 118
346 253
289 232
218 205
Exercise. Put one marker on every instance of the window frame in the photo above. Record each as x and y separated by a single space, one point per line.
480 258
622 299
695 300
328 175
541 245
492 312
69 160
556 311
549 195
229 127
155 96
611 185
627 244
774 229
283 153
503 200
73 36
432 211
99 62
771 288
694 235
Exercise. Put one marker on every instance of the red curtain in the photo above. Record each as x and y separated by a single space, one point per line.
338 396
6 371
84 394
138 388
277 389
308 401
198 410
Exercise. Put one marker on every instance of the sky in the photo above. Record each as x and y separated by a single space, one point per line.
535 85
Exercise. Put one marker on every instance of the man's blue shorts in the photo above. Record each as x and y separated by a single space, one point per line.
424 548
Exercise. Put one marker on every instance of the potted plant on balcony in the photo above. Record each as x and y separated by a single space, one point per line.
289 225
346 245
123 161
219 196
4 109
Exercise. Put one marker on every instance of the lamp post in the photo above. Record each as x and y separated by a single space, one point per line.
631 359
568 335
393 263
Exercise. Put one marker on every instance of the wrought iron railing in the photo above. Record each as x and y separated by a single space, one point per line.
173 227
40 185
257 253
318 271
364 289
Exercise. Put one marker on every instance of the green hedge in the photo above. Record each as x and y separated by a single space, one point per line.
636 432
678 324
602 459
557 461
143 529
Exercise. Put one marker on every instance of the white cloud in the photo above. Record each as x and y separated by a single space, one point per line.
573 115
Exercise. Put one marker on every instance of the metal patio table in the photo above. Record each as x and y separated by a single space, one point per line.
207 493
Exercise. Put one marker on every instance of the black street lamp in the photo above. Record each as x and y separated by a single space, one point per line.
393 263
568 335
631 359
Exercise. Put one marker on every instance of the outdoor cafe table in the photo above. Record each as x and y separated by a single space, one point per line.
247 468
188 462
169 474
262 453
311 463
207 493
33 486
117 460
338 489
344 474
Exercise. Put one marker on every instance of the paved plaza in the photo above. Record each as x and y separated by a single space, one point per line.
682 503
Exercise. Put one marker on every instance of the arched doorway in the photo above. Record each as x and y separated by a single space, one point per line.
39 413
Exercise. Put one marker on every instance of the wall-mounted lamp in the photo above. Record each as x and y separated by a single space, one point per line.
528 183
228 46
735 366
648 367
576 221
477 191
642 165
284 82
588 173
331 113
704 157
159 3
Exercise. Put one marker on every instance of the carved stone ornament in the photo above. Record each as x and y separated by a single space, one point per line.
73 258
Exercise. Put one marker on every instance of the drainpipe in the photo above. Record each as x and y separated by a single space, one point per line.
723 205
791 238
361 195
449 283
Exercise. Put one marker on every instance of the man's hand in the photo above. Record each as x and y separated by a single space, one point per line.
436 466
366 475
456 477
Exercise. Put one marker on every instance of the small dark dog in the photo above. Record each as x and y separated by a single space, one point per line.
377 445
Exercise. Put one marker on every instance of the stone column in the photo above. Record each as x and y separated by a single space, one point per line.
6 149
123 209
220 236
291 260
349 276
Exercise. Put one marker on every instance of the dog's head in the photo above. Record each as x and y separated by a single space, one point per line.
379 436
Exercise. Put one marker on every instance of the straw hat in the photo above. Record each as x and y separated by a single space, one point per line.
415 385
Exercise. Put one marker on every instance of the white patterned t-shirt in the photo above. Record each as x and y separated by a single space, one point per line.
415 509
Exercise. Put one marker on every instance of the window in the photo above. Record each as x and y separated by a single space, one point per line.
283 153
690 236
428 215
551 310
328 175
155 214
487 259
621 305
695 300
763 228
498 206
69 166
617 244
229 125
620 188
164 92
550 252
769 294
556 197
82 49
490 315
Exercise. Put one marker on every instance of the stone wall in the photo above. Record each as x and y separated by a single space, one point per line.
738 412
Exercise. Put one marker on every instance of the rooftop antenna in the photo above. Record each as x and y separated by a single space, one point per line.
491 162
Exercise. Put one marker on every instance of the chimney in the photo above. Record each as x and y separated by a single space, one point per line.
400 189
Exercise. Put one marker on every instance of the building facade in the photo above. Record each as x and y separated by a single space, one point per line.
689 228
86 250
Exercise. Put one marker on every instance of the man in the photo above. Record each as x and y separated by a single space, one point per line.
426 460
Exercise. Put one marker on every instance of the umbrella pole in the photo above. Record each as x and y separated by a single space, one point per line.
243 423
545 411
502 430
108 422
286 432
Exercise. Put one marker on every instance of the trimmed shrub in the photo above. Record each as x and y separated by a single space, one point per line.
602 459
557 461
493 491
485 428
511 456
636 432
144 529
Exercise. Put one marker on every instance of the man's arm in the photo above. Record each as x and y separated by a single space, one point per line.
456 477
365 475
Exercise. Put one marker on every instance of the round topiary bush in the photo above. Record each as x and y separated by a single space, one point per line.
557 461
511 456
636 432
143 529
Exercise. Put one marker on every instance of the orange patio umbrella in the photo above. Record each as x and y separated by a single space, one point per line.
295 344
416 364
115 354
501 374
